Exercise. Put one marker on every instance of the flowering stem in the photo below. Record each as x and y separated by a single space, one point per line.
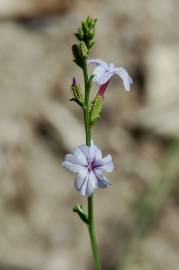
90 223
86 106
92 234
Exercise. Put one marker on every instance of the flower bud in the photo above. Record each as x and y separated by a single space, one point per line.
77 55
93 23
96 108
85 36
80 34
91 33
84 27
90 44
77 93
83 50
89 20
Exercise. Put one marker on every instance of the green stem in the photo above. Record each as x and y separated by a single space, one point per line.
90 199
92 234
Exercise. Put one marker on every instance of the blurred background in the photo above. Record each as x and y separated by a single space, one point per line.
137 219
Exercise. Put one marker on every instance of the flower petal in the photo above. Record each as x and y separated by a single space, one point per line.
74 168
123 74
103 182
92 183
85 150
105 77
105 164
98 62
98 72
95 151
80 180
86 183
80 155
74 159
108 165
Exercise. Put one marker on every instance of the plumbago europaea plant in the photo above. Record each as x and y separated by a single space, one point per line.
86 160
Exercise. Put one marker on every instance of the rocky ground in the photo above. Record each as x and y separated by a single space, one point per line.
137 219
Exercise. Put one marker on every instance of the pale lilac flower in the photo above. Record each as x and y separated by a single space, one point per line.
87 163
104 72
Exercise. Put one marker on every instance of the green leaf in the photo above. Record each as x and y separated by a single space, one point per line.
79 210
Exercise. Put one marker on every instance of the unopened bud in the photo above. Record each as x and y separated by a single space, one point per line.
90 44
80 34
77 55
96 109
89 20
83 50
77 93
91 33
93 24
85 27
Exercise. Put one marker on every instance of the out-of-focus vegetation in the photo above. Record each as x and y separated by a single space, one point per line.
150 206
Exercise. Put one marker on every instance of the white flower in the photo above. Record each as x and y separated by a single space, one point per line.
104 72
87 163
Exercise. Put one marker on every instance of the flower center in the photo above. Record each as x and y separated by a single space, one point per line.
90 166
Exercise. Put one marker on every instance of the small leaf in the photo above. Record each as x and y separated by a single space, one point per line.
79 210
